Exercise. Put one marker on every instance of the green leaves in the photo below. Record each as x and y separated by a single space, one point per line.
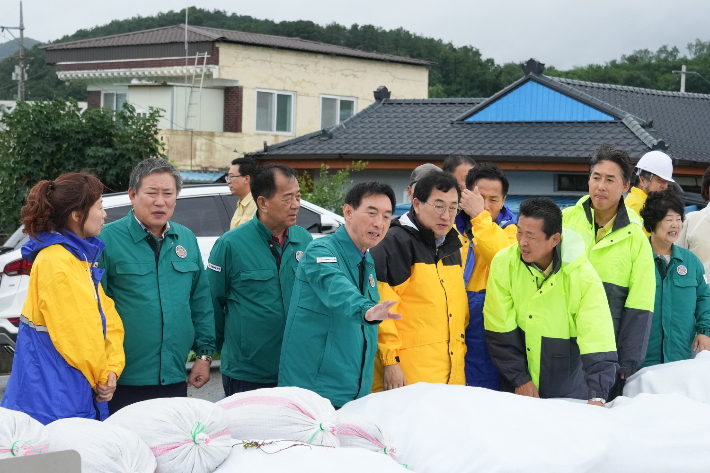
330 188
46 139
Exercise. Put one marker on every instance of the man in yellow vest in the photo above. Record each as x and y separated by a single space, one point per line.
653 172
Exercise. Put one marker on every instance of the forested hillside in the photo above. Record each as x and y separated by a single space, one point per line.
457 72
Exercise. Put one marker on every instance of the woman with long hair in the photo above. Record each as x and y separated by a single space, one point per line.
69 350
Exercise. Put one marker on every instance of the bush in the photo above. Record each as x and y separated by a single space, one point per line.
330 189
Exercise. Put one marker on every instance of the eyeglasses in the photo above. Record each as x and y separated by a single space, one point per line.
440 210
232 176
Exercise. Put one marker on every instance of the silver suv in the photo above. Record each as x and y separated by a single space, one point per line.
206 210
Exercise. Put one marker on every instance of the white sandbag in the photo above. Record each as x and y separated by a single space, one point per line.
356 431
21 435
185 434
298 457
104 448
463 429
690 378
282 413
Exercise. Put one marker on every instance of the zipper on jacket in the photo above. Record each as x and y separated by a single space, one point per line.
663 270
361 268
156 247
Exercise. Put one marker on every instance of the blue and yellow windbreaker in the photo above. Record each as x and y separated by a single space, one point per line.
70 335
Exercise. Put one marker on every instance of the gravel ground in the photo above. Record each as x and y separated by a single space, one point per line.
212 391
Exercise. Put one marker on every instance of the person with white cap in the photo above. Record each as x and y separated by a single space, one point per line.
653 172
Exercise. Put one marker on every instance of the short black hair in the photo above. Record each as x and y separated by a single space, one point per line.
362 190
543 208
453 161
263 182
247 166
435 180
705 185
607 152
657 206
487 170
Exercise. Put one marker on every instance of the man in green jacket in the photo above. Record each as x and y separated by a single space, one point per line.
330 340
620 253
251 272
547 321
154 274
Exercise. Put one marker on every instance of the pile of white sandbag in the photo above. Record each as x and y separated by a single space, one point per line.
299 457
285 413
21 435
104 448
690 378
356 431
458 428
185 434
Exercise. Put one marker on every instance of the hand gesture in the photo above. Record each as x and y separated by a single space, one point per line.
472 202
381 311
528 389
200 374
393 377
104 392
702 342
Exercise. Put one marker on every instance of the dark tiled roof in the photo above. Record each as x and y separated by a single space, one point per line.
646 119
176 34
426 128
682 120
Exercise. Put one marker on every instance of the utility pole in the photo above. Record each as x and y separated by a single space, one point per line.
682 78
20 75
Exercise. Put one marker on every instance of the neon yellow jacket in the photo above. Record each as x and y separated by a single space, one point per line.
635 200
624 261
556 332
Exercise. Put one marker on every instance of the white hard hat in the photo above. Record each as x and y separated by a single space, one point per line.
658 163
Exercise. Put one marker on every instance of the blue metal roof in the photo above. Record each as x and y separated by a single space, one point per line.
200 177
532 102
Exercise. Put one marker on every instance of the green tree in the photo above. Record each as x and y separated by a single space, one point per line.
330 188
45 139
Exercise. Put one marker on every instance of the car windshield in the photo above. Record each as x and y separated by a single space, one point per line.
17 239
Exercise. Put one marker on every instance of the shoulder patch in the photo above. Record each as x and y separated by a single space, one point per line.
328 259
214 267
705 276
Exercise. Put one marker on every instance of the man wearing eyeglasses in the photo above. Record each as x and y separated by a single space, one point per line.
419 265
238 181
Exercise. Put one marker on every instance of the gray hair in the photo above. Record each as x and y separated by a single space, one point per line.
151 166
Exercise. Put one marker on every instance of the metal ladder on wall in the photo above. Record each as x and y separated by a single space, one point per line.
194 108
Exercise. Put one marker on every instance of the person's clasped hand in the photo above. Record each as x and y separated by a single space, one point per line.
104 392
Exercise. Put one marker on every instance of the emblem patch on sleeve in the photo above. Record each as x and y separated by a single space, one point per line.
214 267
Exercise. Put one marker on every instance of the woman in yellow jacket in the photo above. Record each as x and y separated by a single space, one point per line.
69 350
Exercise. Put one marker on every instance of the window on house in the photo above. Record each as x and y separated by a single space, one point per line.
334 110
274 111
114 101
573 182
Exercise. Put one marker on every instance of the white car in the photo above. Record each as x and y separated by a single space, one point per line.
206 210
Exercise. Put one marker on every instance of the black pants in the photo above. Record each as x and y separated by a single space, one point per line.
127 395
234 386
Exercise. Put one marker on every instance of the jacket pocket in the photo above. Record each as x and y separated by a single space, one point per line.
326 353
252 281
135 269
559 361
185 266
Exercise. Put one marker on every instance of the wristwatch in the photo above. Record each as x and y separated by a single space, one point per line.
594 399
206 358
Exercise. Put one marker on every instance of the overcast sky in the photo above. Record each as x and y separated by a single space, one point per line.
563 33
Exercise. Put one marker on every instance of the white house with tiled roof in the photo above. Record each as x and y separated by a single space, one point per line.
232 90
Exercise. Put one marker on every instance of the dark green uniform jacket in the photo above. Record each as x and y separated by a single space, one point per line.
164 301
682 307
251 295
556 332
624 261
328 345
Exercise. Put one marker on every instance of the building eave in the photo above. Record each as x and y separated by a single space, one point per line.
147 72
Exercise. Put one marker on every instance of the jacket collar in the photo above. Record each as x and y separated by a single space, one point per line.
352 254
85 250
410 223
622 216
556 259
676 253
137 232
265 233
